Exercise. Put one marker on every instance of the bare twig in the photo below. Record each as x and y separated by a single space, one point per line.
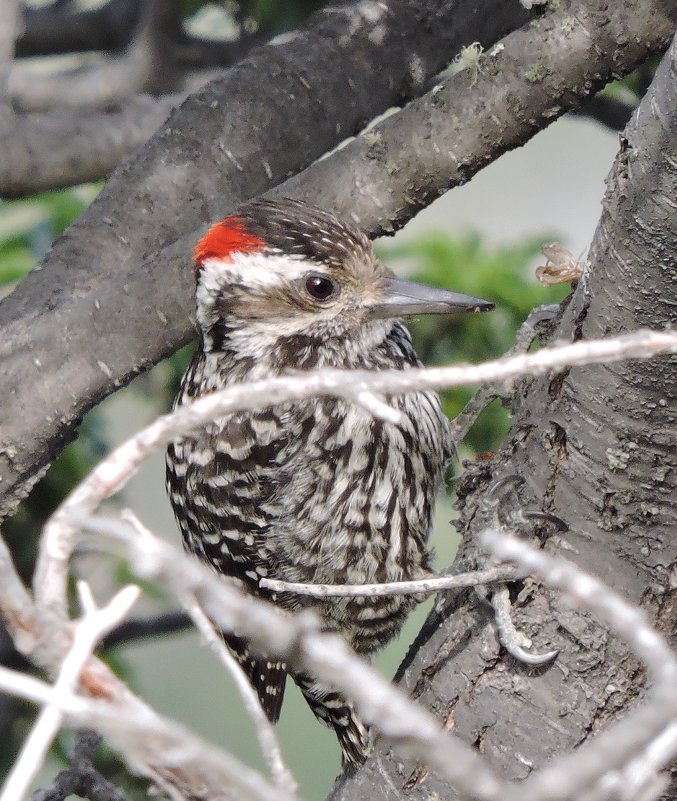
169 754
16 606
94 624
426 586
641 778
263 727
527 333
139 628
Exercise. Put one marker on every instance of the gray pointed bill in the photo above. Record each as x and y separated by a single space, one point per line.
407 298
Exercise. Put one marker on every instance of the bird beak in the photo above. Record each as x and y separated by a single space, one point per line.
406 298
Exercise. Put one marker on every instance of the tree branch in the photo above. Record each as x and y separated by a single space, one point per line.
62 148
59 28
141 628
145 66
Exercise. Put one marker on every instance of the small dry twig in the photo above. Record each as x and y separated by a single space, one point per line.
94 624
270 746
426 586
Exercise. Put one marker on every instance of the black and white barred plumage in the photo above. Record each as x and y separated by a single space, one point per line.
317 491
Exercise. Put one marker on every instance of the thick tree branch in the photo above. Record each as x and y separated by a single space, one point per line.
121 276
145 66
61 148
441 140
60 28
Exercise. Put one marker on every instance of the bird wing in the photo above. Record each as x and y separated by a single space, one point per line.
219 503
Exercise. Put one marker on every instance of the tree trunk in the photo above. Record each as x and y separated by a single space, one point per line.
596 447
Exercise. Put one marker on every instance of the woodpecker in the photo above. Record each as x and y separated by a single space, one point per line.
317 491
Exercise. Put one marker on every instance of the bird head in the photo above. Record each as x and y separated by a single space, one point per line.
284 268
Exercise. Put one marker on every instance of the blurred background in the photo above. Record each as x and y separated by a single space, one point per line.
483 239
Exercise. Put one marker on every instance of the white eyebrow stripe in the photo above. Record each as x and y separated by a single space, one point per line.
255 268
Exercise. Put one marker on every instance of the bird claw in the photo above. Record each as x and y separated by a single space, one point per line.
496 494
546 517
515 642
500 487
511 638
529 658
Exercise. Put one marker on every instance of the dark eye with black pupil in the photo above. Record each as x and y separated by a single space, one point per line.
319 287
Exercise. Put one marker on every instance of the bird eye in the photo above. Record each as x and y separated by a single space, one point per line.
320 287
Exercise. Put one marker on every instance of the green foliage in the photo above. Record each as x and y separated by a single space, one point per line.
631 89
501 275
28 227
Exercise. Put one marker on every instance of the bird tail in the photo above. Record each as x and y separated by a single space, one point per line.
267 676
334 711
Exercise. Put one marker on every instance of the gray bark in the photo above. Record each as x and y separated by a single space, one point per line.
65 147
596 447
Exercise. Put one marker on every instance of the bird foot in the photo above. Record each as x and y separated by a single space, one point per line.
515 642
511 638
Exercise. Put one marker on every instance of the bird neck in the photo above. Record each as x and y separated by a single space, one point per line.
227 344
